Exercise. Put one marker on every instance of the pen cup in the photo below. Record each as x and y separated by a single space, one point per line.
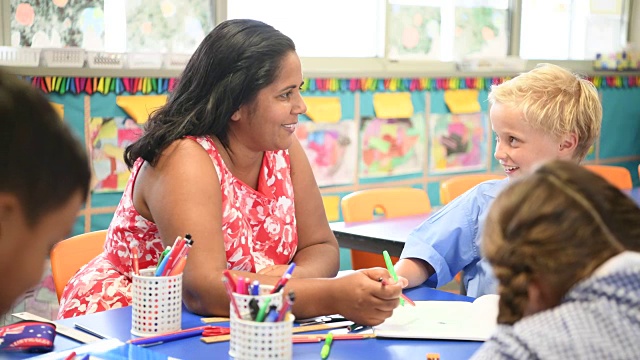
238 325
262 340
156 303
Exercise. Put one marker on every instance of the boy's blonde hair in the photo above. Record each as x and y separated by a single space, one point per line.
558 225
556 101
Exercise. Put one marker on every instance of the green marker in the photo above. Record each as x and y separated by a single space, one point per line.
392 271
326 348
263 310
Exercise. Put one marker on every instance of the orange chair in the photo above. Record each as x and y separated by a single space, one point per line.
618 176
68 256
394 202
458 185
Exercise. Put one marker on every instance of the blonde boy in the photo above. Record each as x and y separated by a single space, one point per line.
547 113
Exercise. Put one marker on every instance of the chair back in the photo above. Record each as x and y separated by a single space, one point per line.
458 185
68 256
617 176
394 202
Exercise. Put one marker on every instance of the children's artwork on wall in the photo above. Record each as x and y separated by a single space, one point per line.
167 25
414 32
109 137
392 146
57 23
331 149
458 143
481 32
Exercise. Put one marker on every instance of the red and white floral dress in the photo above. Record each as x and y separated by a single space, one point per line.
259 228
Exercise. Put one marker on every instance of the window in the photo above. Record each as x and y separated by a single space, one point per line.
326 28
572 29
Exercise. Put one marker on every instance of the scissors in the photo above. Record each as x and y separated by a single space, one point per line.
322 320
215 331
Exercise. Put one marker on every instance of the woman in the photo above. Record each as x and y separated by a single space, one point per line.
220 161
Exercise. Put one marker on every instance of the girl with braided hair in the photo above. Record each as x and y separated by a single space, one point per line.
564 245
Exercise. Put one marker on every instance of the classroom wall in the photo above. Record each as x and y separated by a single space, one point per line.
617 145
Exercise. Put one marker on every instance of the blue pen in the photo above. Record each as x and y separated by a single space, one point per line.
272 315
254 288
162 265
284 279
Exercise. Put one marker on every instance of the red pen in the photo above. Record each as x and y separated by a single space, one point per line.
232 299
71 356
134 254
173 254
401 294
182 254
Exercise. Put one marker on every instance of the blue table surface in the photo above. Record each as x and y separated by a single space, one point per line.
117 323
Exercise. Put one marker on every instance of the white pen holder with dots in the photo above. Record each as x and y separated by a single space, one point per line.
259 340
156 303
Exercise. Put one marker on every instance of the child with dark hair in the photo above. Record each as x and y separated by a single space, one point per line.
44 179
564 245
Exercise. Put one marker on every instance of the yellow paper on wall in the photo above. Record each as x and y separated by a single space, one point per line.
393 105
332 207
323 109
59 108
462 101
140 107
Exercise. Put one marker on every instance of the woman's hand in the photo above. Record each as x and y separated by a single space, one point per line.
364 299
277 270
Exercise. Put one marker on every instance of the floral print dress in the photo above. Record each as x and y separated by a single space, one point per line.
259 228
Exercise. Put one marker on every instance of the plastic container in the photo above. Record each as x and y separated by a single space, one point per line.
156 303
105 60
64 57
10 56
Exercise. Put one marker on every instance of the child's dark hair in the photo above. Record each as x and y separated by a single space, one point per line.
558 224
41 162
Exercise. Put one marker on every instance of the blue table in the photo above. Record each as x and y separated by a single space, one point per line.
117 324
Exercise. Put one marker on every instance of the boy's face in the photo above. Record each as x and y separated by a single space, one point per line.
24 249
519 147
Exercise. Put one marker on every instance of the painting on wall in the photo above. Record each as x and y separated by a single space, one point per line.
109 136
167 25
331 149
57 23
392 146
481 32
458 143
414 32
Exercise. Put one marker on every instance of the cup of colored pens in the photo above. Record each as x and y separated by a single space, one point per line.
156 292
261 321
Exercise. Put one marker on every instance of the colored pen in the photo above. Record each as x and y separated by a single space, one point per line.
86 357
254 288
241 286
321 337
283 280
171 336
169 261
163 254
134 255
71 356
232 299
253 308
326 348
272 315
286 307
232 281
392 271
263 310
402 296
181 251
179 268
89 331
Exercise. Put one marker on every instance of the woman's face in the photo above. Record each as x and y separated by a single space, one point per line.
270 121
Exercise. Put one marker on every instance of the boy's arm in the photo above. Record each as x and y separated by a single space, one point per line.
416 271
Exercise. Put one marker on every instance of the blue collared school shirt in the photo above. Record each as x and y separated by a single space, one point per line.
449 240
